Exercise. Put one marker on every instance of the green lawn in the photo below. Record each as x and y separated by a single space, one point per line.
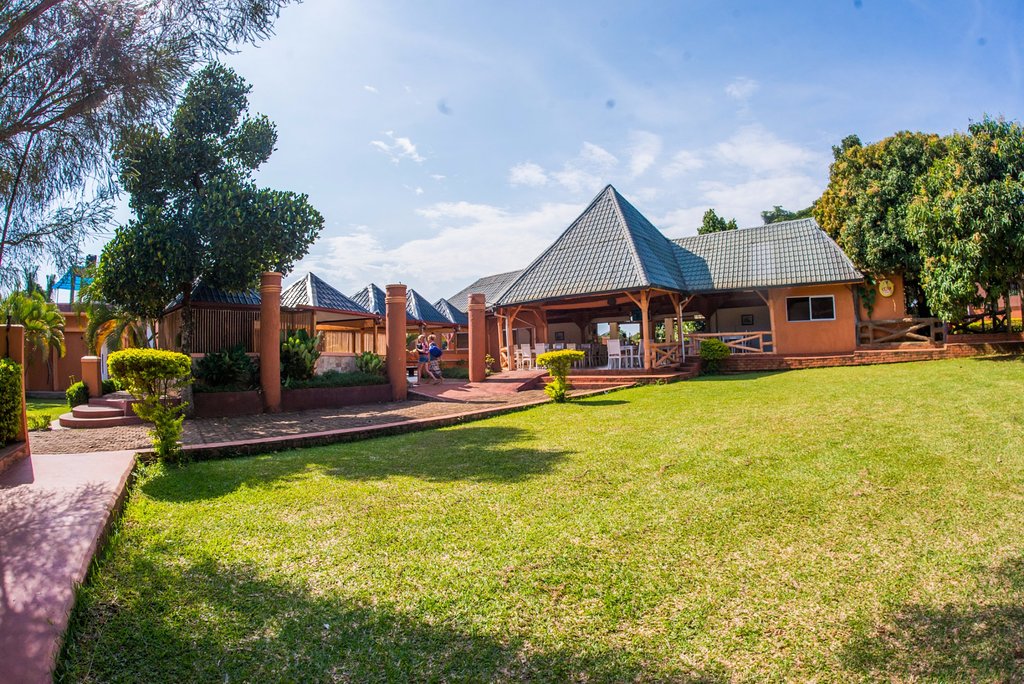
833 524
37 408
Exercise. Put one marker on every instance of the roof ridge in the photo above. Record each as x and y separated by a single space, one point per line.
630 238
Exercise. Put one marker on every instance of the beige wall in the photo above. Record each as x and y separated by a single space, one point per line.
728 320
815 337
571 331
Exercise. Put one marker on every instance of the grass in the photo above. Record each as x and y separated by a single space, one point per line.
39 409
831 524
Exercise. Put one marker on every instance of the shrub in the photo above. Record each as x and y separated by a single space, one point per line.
10 401
489 364
110 386
152 375
77 394
229 368
458 372
712 353
558 364
298 356
335 378
370 363
39 421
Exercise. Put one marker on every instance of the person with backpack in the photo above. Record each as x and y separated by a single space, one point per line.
434 365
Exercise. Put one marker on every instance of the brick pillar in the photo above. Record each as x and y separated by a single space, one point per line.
270 341
395 321
477 338
15 349
92 375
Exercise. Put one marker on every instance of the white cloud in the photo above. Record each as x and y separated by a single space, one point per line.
371 89
682 162
747 199
437 176
760 150
398 149
742 88
527 173
644 149
596 157
681 222
470 240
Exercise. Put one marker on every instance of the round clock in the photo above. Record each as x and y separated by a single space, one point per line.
886 288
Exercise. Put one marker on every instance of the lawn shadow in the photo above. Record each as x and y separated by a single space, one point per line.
600 402
473 453
979 642
1012 358
208 621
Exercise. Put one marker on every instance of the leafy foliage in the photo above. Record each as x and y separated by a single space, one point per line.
968 218
370 363
559 363
152 376
39 422
777 214
299 353
712 353
10 401
43 321
77 394
110 386
198 214
713 223
334 378
228 368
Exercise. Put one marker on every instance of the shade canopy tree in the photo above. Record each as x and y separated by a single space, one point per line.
198 214
713 223
777 214
73 73
968 219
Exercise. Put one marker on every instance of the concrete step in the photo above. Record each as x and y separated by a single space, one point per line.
121 400
90 411
69 420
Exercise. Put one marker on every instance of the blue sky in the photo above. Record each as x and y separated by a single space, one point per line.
443 141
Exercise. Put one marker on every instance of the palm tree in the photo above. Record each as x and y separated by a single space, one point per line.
110 325
42 320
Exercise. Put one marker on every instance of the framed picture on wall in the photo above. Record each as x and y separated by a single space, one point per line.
559 336
746 319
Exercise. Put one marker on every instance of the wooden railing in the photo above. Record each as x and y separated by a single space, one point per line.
1000 322
893 331
666 353
759 342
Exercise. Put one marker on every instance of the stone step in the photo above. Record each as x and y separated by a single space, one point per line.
69 420
91 411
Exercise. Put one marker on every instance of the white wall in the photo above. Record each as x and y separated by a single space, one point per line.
728 320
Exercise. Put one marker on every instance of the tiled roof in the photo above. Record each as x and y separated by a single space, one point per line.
449 311
490 286
314 292
610 247
776 255
420 310
371 298
204 294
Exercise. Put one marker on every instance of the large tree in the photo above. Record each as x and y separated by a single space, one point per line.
968 218
713 223
199 216
72 74
777 214
864 208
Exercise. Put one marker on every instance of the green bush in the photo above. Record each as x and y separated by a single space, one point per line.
370 363
712 353
299 353
39 421
10 401
77 394
110 386
558 364
228 369
457 372
152 376
335 378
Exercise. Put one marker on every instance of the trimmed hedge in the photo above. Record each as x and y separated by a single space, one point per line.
712 353
10 401
77 394
559 363
335 378
151 375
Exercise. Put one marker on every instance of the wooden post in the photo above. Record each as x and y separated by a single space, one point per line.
270 341
645 327
477 338
511 354
395 326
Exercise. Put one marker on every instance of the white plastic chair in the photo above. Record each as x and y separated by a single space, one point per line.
540 348
526 356
614 353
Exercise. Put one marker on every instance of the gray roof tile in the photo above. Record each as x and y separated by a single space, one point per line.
490 286
371 298
418 309
314 292
451 312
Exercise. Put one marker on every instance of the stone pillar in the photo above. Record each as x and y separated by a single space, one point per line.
270 341
477 338
92 375
395 322
15 349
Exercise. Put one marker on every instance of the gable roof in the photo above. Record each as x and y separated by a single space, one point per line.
205 294
420 310
449 311
490 286
610 247
312 291
371 298
779 254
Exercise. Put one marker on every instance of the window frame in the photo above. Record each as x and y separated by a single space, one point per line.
810 309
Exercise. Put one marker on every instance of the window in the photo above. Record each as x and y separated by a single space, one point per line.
811 308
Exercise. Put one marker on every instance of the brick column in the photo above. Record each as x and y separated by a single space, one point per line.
477 338
395 321
270 341
92 375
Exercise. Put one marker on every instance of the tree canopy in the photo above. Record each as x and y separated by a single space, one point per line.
777 214
713 223
198 215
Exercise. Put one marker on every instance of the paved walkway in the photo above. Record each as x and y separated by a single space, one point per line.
53 512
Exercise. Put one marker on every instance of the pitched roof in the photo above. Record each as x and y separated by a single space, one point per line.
205 294
449 311
314 292
419 309
610 247
371 298
490 286
779 254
